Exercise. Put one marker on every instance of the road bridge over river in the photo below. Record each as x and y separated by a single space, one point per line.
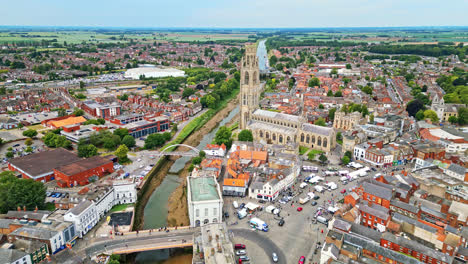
144 240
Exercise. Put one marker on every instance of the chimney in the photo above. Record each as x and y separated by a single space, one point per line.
19 209
35 210
24 208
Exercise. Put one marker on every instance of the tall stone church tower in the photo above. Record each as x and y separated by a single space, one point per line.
249 85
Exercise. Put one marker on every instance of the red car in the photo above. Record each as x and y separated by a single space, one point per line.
299 209
239 246
301 260
343 191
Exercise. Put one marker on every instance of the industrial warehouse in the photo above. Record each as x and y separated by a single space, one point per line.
63 165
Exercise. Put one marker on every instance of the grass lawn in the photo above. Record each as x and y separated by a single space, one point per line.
119 207
316 151
36 127
302 150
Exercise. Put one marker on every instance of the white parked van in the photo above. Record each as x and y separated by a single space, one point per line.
235 204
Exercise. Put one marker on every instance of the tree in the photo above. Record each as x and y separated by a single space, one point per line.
82 84
453 120
371 119
188 92
197 160
348 66
154 140
78 112
367 89
414 106
28 149
30 133
323 158
320 122
121 153
245 135
62 142
331 114
334 71
345 160
16 192
223 136
9 154
338 94
330 93
49 139
121 132
314 82
28 142
348 154
311 156
462 116
86 151
420 115
61 112
321 106
431 115
129 141
339 137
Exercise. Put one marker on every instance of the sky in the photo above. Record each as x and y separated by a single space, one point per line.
235 13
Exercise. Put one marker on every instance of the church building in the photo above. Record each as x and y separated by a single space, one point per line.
273 127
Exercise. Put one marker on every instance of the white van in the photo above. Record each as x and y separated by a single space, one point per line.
235 204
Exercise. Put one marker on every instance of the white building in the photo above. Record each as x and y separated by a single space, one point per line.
271 189
124 192
153 72
215 150
84 216
360 151
205 203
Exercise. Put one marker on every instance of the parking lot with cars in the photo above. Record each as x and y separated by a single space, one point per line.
298 225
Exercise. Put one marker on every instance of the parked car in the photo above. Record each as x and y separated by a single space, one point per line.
226 215
239 246
241 252
281 222
343 191
262 201
16 145
274 257
299 209
242 205
301 260
316 197
314 203
244 258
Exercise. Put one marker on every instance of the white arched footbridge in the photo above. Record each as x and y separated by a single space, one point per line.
193 152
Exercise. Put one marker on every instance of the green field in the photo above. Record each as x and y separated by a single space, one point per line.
74 37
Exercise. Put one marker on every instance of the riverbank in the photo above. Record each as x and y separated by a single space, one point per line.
177 204
191 134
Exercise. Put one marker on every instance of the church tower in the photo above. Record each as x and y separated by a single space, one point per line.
249 85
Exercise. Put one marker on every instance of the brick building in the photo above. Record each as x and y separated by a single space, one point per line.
78 173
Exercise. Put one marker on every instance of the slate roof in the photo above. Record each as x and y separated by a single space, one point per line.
77 210
404 206
457 169
413 245
11 255
378 191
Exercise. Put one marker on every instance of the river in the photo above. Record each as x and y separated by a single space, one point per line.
155 214
262 56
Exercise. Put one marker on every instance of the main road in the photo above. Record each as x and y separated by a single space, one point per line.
141 242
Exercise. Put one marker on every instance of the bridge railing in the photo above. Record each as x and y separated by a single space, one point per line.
156 230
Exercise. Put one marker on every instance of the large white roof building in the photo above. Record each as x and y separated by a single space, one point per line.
153 72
